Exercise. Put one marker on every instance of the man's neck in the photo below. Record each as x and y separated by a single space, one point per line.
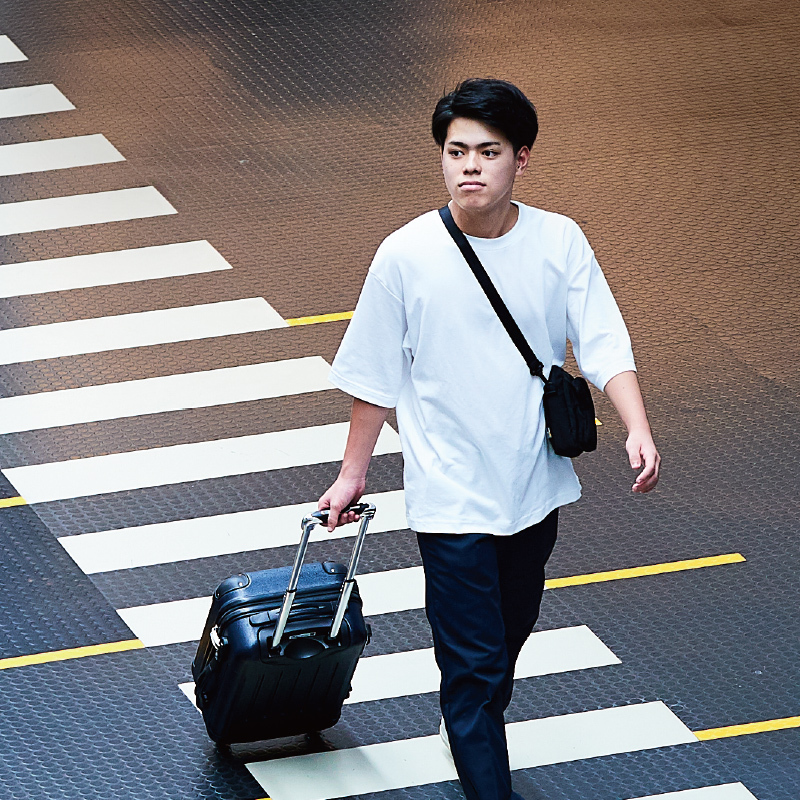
487 223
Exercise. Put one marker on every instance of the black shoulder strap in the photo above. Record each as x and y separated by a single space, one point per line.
534 365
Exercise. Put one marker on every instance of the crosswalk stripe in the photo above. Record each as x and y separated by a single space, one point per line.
24 100
106 269
424 760
725 791
415 672
141 329
198 461
222 534
52 213
50 154
169 393
10 52
179 621
387 592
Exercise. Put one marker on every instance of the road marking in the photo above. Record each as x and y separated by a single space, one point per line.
179 621
748 728
158 395
51 154
320 318
162 466
10 502
415 672
387 592
107 269
652 569
422 761
142 329
24 100
10 52
70 654
222 534
167 623
72 211
726 791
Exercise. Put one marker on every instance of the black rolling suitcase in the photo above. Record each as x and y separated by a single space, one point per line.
276 661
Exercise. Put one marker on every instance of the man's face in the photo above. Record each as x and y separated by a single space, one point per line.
479 165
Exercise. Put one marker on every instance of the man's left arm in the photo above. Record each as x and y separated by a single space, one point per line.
624 393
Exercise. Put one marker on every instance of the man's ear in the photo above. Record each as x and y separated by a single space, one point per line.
523 158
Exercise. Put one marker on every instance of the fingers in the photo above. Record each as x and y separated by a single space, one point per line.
648 477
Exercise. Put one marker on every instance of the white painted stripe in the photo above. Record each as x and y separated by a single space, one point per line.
182 620
27 216
199 461
417 762
143 329
203 537
107 269
727 791
170 393
24 100
167 623
392 591
10 52
76 151
415 672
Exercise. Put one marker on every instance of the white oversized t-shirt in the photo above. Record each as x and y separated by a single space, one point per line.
424 338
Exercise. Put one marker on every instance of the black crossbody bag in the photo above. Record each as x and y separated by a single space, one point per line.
568 406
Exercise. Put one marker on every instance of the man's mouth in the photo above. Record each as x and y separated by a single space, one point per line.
468 184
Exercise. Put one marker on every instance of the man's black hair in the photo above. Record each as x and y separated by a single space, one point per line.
493 102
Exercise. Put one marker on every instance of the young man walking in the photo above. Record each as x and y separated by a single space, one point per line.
483 486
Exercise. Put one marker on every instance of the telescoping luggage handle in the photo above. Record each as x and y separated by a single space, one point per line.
367 512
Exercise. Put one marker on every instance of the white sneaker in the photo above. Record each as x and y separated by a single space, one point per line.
444 737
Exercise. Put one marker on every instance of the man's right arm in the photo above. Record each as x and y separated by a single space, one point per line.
366 421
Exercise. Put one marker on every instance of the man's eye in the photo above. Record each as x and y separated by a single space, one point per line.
455 152
491 153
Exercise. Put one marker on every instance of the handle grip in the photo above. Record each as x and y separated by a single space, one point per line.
322 516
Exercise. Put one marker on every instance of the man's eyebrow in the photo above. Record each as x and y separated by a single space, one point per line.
466 146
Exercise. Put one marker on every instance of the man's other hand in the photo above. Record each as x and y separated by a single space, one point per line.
643 455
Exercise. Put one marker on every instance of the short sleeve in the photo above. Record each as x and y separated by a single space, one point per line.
599 337
372 363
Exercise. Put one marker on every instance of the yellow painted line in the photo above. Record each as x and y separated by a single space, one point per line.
320 318
75 652
637 572
8 502
553 583
748 728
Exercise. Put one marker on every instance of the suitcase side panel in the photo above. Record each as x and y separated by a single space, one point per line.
253 692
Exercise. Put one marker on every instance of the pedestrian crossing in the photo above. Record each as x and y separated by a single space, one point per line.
424 760
158 395
216 535
23 101
345 772
415 672
163 466
106 269
9 52
176 621
140 329
51 154
727 791
73 211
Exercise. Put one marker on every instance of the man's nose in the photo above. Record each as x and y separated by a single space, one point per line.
472 163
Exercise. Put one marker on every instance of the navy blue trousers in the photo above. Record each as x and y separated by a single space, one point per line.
482 598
